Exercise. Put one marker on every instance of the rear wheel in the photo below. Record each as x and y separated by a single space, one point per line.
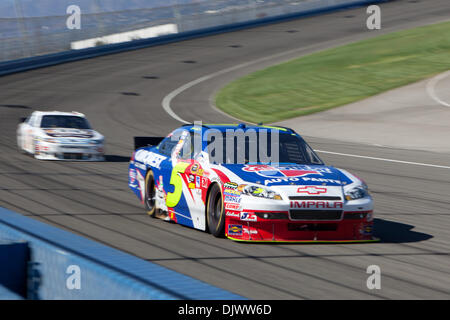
215 213
149 197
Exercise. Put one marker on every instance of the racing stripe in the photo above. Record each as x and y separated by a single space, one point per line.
221 175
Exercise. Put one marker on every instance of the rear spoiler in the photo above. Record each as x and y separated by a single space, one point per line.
140 142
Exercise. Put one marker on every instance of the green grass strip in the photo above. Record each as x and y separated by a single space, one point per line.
338 76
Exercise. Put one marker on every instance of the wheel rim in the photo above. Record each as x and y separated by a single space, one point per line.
217 208
215 211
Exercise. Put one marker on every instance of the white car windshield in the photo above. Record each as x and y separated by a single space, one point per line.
290 149
59 121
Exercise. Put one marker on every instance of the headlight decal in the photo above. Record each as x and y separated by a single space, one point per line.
258 191
358 192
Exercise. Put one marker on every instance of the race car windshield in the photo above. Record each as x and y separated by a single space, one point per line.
71 122
256 148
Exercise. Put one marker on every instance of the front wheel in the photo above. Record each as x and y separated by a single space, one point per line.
149 197
215 213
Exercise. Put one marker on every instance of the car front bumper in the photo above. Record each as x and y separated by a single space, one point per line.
75 152
272 221
344 231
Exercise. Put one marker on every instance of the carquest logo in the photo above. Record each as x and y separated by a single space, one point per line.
282 171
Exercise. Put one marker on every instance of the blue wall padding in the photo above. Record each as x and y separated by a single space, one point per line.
13 266
6 294
105 273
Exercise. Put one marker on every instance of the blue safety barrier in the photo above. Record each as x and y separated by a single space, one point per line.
6 294
13 266
24 64
63 265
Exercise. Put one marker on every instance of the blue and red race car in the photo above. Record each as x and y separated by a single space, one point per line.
249 183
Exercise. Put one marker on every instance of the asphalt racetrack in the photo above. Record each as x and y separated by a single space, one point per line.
122 96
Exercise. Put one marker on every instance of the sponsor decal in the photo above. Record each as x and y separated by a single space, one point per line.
197 169
366 230
306 179
231 192
204 183
233 199
132 175
69 133
191 178
250 231
323 180
172 215
149 158
311 190
139 165
277 180
233 206
316 205
191 185
284 171
230 185
197 182
248 216
235 230
232 214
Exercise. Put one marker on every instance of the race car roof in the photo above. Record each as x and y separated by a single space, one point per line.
224 127
59 113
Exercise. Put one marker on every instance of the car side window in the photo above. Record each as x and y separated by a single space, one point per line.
166 146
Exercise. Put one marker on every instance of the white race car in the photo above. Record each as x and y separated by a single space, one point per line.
53 135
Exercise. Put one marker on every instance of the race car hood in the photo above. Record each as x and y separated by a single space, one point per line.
290 174
71 133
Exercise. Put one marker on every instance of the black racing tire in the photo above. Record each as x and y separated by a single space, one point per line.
149 194
215 212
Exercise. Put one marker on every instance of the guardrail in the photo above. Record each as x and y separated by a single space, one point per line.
63 265
191 19
13 269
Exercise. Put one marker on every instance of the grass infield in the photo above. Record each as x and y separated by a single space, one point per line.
338 76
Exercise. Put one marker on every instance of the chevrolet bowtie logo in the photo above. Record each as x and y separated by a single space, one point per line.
311 190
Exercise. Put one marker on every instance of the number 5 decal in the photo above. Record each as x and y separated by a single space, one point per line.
175 179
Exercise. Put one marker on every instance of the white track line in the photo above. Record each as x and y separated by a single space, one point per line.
384 159
166 102
431 85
